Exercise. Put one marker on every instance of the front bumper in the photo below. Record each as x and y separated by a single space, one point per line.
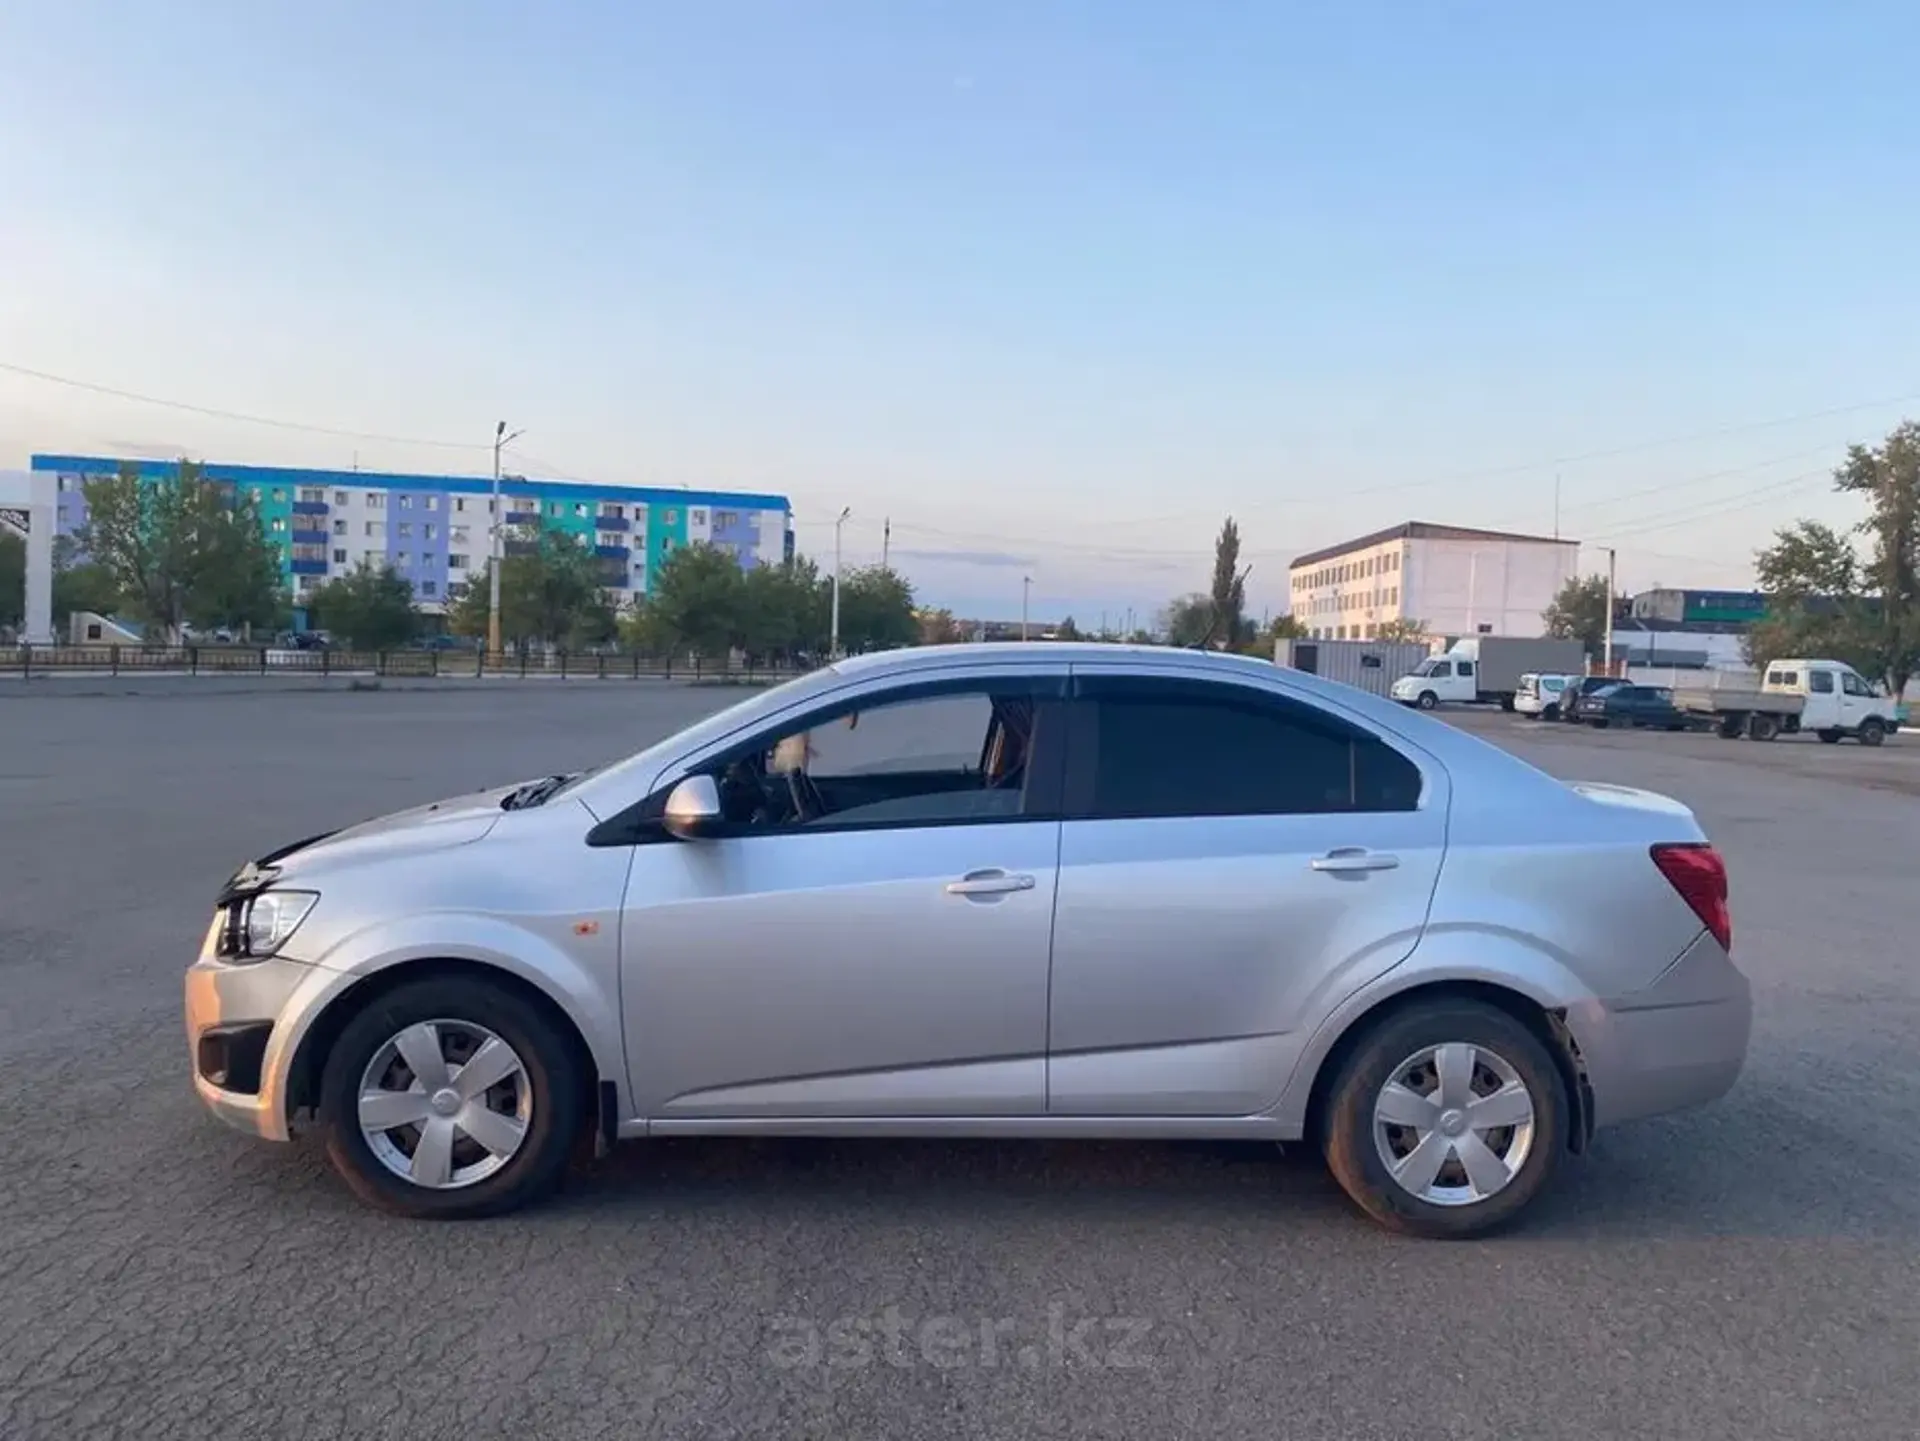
242 1022
1679 1043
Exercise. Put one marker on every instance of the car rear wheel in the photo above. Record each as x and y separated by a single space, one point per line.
450 1098
1829 737
1552 712
1446 1120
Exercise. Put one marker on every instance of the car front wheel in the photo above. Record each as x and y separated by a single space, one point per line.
1447 1120
450 1098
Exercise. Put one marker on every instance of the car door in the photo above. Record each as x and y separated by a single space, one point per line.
887 957
1234 860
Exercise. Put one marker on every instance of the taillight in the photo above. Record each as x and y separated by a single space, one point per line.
1696 871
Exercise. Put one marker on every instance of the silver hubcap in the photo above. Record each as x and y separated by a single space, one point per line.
1453 1124
444 1104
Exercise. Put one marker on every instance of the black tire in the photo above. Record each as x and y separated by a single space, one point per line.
1729 727
1762 727
1872 732
553 1074
1428 700
1599 723
1552 712
1355 1160
1506 702
1829 737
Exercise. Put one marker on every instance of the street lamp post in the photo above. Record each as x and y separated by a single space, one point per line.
500 440
833 633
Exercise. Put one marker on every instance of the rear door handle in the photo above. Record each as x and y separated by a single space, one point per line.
1350 861
988 883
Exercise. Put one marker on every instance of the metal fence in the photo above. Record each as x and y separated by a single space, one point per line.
117 660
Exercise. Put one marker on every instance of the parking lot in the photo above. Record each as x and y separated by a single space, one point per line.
1751 1270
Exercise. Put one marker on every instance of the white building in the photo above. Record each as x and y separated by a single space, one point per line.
1451 579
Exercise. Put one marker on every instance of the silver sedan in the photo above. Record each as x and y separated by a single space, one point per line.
990 891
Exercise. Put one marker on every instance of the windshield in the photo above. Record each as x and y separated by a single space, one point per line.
1428 667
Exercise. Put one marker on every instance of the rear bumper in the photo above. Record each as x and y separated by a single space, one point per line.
1679 1043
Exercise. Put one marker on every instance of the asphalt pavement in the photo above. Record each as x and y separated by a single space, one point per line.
1751 1270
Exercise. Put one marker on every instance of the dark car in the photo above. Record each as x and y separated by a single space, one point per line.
1631 705
1579 688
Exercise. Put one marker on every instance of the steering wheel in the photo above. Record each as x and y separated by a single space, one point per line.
805 795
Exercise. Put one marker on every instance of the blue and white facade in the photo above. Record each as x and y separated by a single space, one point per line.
435 529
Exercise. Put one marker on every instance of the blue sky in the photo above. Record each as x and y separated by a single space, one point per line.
1053 285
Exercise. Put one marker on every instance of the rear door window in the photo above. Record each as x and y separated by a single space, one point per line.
1820 682
1143 748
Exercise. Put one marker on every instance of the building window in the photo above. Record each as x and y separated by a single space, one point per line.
402 560
339 497
429 531
428 587
339 557
431 502
456 562
405 529
279 494
618 512
459 502
580 510
672 517
699 517
377 529
404 502
376 501
458 535
339 527
277 525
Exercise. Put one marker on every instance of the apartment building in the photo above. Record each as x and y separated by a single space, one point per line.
1452 579
436 529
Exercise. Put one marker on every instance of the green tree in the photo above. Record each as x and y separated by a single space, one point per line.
550 592
876 610
1229 590
1811 575
371 607
1403 628
784 610
1582 611
182 549
698 601
80 584
1887 477
1067 630
13 579
938 627
1187 619
1286 627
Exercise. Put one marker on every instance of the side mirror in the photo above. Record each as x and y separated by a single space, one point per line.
693 809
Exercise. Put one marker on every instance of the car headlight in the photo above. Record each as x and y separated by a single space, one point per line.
258 925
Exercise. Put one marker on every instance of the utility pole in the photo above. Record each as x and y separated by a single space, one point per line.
500 440
1026 588
886 542
833 633
1607 645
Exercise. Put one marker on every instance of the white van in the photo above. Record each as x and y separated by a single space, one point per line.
1539 695
1839 700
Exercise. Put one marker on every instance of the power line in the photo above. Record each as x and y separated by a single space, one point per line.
217 413
1689 514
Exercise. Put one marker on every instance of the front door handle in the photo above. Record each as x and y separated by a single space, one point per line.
1350 860
988 883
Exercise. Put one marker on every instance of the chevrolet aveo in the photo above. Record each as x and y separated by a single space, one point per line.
990 891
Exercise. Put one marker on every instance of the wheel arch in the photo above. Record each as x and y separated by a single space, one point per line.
1547 1023
317 1041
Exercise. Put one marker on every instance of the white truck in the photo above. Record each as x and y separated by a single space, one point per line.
1828 697
1487 669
